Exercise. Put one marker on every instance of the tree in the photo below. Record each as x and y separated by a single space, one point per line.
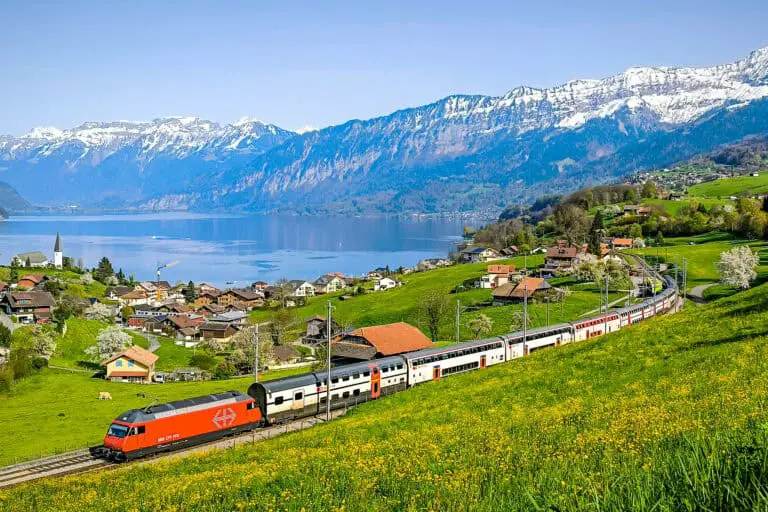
44 343
190 293
595 241
434 308
80 263
14 270
630 196
120 276
649 189
104 270
98 311
127 312
659 238
737 266
110 341
86 279
480 325
28 263
111 281
635 231
5 336
280 321
245 345
517 321
572 222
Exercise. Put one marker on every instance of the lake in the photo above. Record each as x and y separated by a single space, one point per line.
230 250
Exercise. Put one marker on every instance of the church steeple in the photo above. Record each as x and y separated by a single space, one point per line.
58 254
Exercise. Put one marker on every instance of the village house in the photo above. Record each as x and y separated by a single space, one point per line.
155 290
561 258
636 210
479 254
30 259
512 250
243 299
231 317
133 365
329 283
497 275
205 298
183 322
516 292
135 298
173 309
31 281
385 283
28 307
317 329
379 341
301 288
217 330
621 243
208 288
116 292
211 310
259 285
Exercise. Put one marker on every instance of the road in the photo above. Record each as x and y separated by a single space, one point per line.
6 321
696 294
152 342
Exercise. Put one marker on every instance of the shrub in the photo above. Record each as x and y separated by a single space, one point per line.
20 363
38 363
203 361
224 370
6 379
5 336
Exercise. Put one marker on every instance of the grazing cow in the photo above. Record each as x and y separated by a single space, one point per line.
103 395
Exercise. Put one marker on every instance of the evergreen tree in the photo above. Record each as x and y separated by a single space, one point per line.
190 292
104 270
14 270
765 204
595 233
659 238
120 276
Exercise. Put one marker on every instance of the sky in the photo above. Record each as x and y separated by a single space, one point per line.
318 63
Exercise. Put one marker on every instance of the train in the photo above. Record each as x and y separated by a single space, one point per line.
166 427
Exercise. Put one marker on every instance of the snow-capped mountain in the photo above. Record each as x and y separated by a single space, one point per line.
461 152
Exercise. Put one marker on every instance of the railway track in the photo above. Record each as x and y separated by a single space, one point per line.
83 461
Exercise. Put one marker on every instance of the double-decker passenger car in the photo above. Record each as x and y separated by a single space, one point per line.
433 363
166 427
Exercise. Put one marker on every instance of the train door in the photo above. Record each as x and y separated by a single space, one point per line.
375 383
139 435
436 373
483 361
298 400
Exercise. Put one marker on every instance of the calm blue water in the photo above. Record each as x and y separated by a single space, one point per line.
232 250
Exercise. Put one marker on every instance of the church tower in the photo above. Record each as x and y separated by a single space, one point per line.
58 255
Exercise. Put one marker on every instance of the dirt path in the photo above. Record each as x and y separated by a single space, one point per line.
696 294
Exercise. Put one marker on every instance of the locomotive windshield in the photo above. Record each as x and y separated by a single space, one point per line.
116 430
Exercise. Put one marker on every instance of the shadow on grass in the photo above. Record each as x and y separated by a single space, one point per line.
722 341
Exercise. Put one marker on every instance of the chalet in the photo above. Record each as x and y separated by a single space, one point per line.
516 292
145 310
30 259
28 307
243 299
133 365
204 298
317 329
561 258
636 210
217 330
138 321
155 324
380 341
156 290
329 283
497 275
479 254
208 288
260 285
31 281
385 283
179 322
378 273
211 309
301 288
621 243
173 309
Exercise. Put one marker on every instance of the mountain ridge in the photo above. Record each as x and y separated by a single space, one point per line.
475 147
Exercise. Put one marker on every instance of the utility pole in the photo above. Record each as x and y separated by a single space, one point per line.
328 376
685 279
605 318
549 295
458 321
525 318
256 353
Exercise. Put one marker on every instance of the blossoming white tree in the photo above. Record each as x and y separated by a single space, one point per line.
737 266
110 341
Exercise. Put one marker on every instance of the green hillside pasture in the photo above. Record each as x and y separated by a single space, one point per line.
668 415
56 411
726 187
81 334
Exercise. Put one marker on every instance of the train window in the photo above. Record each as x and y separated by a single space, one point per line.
335 380
356 392
384 370
142 429
345 378
278 400
251 405
400 366
322 399
346 394
355 375
366 374
334 397
298 396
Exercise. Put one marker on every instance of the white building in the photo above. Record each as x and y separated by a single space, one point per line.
385 283
302 288
58 254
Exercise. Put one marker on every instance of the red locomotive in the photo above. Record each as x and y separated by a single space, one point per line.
166 427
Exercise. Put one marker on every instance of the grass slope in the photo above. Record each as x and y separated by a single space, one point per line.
56 411
669 414
726 187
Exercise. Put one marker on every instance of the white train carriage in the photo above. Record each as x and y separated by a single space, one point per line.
631 315
596 326
519 345
434 363
305 395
